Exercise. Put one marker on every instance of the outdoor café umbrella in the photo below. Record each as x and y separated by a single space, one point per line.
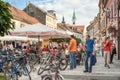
37 30
14 38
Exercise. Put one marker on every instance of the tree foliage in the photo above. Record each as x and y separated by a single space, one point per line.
58 40
65 40
5 18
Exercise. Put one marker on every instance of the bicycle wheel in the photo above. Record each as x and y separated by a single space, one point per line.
63 64
41 69
47 77
9 74
25 76
33 66
42 66
60 77
25 71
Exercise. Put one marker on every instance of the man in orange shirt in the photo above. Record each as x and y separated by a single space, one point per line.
72 49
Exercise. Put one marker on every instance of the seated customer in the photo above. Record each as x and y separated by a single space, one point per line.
32 50
45 48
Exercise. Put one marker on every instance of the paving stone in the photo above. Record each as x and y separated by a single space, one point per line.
99 72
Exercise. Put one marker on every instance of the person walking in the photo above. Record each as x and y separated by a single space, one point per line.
80 52
72 50
113 52
107 45
102 51
89 51
83 52
78 55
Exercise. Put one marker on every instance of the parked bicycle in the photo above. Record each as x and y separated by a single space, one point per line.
56 76
52 60
17 70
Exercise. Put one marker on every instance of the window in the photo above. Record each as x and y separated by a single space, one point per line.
100 10
32 13
102 3
14 24
22 25
76 29
114 7
111 11
108 13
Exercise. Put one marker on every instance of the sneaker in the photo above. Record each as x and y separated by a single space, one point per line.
70 68
75 67
90 71
85 71
105 65
111 62
108 67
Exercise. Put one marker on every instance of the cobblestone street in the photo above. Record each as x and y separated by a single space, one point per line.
99 72
59 39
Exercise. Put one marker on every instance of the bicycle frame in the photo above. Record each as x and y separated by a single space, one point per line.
3 62
56 76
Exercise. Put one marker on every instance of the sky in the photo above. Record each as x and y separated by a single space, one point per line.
85 10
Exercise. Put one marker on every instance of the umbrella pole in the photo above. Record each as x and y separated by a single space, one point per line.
38 38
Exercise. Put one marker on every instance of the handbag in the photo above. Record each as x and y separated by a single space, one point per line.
94 60
67 52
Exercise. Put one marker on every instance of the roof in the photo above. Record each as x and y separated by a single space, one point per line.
62 26
42 10
80 28
22 16
37 7
90 27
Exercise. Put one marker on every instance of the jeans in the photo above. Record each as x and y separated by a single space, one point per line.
87 67
72 60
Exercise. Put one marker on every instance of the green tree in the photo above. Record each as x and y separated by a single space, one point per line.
78 40
5 18
65 40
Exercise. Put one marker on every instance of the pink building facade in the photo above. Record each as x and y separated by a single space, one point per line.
112 20
111 10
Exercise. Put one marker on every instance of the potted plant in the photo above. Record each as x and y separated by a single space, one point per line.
103 33
111 29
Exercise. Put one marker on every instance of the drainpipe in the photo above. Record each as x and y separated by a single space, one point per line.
118 29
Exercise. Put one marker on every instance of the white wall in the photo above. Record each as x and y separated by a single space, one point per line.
19 24
51 21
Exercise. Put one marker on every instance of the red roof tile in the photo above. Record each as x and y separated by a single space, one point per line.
22 16
80 28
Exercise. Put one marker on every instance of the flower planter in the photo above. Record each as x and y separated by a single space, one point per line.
114 33
111 29
103 33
